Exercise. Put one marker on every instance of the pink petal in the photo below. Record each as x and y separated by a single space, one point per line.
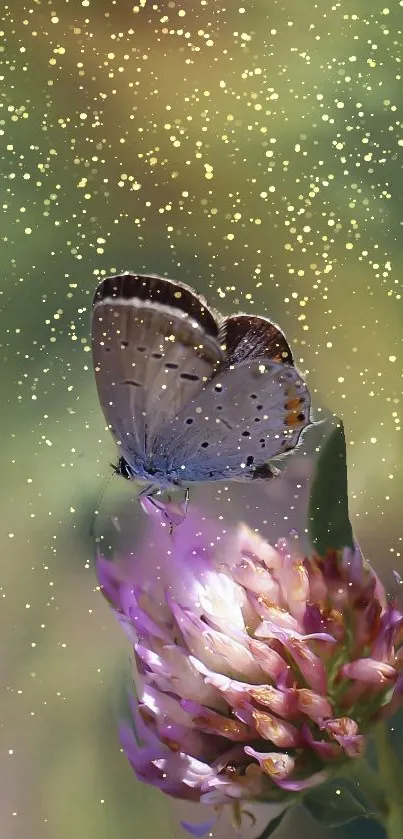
212 723
304 783
379 590
352 561
270 661
395 702
325 750
181 776
249 785
278 765
144 626
252 545
110 579
222 624
370 671
220 597
317 586
389 626
176 774
161 706
128 628
215 649
367 626
256 578
199 829
181 738
130 745
179 766
294 580
232 690
182 677
274 616
316 707
282 734
345 731
144 733
281 702
310 665
235 692
276 629
318 625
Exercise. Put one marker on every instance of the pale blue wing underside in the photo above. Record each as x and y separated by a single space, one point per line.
245 416
188 395
149 362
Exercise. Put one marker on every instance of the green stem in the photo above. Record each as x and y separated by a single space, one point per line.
394 821
391 781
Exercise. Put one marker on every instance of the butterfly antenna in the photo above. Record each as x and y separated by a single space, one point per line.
101 498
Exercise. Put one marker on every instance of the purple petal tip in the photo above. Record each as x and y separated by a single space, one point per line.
198 829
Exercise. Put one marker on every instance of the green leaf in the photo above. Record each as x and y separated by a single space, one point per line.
332 805
329 522
272 826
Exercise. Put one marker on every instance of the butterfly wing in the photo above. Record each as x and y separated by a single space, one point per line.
242 418
248 337
151 357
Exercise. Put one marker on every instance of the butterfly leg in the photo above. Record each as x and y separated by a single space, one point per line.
147 492
186 501
173 514
180 517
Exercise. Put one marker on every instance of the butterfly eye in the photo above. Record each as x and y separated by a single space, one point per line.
122 468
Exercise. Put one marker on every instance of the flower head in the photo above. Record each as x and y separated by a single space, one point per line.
258 669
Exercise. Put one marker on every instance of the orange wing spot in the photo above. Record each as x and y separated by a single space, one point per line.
292 404
293 418
291 391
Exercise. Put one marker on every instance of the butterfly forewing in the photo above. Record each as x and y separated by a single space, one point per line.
150 360
152 289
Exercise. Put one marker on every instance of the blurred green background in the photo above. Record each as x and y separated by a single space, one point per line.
254 151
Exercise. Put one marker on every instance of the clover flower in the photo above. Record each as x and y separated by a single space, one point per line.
259 670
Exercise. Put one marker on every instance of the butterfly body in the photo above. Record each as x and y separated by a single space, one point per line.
189 395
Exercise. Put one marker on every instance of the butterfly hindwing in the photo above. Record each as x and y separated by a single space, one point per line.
243 417
248 337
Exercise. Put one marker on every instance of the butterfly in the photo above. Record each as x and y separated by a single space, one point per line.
190 395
